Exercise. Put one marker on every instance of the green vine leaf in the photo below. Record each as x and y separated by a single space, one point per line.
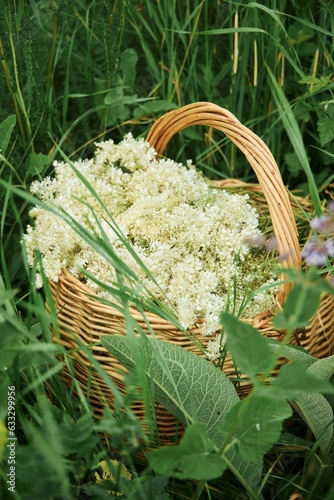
293 164
293 381
249 349
153 107
193 458
36 163
300 306
325 128
255 423
129 59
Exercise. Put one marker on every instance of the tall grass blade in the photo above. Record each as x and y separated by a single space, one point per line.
292 129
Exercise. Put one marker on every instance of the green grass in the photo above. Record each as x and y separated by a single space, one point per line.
73 73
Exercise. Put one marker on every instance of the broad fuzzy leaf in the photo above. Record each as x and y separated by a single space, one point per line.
318 414
190 388
322 369
290 352
314 408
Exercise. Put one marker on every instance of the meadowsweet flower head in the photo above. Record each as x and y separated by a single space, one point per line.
189 235
215 347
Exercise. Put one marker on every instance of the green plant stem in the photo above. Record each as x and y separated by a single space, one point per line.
199 490
11 91
178 76
18 89
293 131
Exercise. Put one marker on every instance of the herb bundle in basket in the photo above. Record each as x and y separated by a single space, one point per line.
182 241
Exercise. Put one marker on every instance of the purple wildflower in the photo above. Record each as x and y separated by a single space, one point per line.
323 224
255 241
260 241
329 247
284 255
271 244
316 252
330 207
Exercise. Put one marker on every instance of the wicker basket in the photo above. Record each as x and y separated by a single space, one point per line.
82 319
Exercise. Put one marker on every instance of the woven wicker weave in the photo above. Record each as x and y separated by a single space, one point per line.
82 319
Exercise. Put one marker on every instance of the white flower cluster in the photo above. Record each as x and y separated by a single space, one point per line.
189 235
215 347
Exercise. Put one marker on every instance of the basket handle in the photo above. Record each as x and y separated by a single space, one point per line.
259 157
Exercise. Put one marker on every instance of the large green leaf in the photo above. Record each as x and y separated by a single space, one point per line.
188 386
322 369
248 473
255 423
314 408
191 388
318 415
193 458
156 106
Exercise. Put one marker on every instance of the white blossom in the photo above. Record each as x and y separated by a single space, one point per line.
215 347
189 235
